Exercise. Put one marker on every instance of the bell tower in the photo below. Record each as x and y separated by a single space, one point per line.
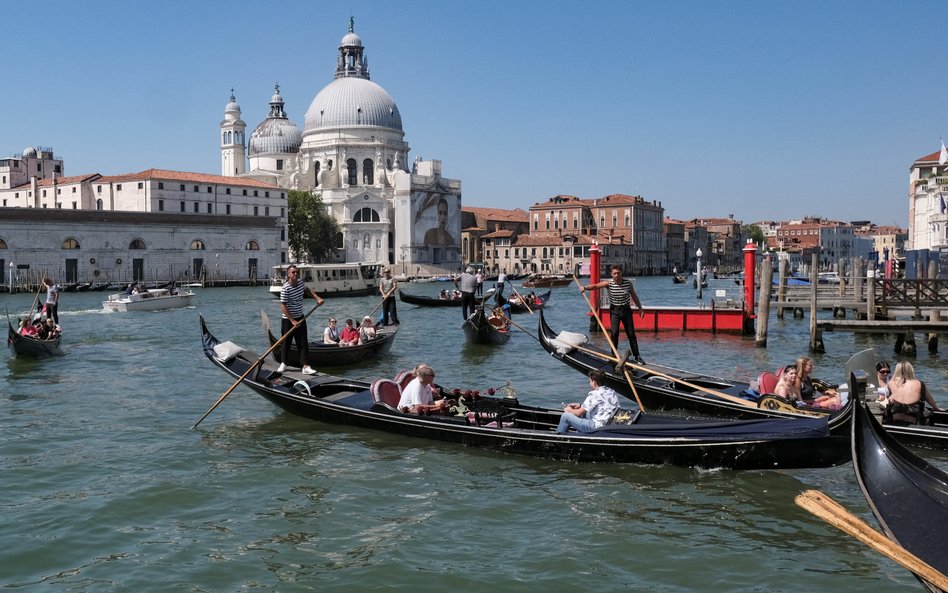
233 149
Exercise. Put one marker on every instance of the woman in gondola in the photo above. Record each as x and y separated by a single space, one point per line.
906 402
815 393
787 386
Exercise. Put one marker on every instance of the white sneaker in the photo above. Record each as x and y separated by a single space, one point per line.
308 371
281 368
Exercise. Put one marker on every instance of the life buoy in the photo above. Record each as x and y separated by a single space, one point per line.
118 261
91 260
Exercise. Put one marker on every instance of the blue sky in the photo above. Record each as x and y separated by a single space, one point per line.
763 110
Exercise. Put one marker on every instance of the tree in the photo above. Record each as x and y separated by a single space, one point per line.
312 230
753 232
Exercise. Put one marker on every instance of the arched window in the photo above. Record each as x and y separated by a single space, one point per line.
316 173
340 242
368 172
198 244
98 204
252 246
352 173
366 215
136 244
71 243
3 244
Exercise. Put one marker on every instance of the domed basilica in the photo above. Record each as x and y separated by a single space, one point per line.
352 152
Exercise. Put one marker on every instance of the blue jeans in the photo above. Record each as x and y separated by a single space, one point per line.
578 422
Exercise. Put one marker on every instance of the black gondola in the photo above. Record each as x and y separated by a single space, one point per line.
425 301
669 392
320 354
907 495
27 346
481 328
678 279
530 431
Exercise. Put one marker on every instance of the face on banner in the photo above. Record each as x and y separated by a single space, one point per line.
437 219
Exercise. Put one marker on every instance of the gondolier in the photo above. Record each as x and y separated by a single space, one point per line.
387 288
621 296
467 283
291 305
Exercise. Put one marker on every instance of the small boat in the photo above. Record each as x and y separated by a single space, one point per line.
545 281
425 301
907 495
153 299
32 347
503 424
481 328
516 306
665 388
320 354
338 280
678 279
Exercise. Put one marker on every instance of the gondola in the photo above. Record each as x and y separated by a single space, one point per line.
480 328
30 347
516 307
320 354
907 495
678 279
424 301
663 388
503 424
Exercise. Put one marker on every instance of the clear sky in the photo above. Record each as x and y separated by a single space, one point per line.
763 110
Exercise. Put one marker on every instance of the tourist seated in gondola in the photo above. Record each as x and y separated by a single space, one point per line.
28 329
331 333
882 379
443 295
498 319
814 392
905 404
367 331
787 386
349 335
418 397
596 410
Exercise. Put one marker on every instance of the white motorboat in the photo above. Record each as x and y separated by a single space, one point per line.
338 280
152 299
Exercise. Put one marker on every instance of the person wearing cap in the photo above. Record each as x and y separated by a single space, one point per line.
387 288
467 283
367 330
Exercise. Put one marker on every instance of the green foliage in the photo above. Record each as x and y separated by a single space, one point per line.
312 230
753 232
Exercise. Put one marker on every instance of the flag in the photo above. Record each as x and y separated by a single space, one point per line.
943 157
942 198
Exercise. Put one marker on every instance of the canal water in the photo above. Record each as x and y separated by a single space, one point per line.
104 486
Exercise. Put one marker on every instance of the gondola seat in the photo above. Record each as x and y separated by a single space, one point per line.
404 378
767 382
386 393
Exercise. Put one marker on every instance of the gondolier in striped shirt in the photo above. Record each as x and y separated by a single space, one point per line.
621 296
291 305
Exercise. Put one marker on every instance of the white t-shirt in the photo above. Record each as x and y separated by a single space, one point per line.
414 394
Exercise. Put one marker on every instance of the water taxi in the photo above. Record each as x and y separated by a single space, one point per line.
338 280
152 299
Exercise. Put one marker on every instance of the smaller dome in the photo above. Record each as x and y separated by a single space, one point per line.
232 110
351 40
275 136
30 152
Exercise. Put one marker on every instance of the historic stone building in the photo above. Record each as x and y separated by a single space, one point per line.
352 152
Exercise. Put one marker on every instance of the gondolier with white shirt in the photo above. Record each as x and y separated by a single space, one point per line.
291 305
467 283
387 288
621 296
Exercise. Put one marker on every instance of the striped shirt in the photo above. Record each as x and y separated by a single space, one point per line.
620 293
292 297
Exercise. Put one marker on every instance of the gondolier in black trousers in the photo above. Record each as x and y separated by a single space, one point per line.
467 283
291 305
621 296
387 288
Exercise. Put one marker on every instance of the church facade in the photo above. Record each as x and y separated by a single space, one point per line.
352 153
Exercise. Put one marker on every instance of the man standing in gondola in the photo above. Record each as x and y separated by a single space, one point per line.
52 300
621 296
387 288
467 283
291 305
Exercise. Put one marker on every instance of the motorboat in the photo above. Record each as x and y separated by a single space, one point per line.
152 299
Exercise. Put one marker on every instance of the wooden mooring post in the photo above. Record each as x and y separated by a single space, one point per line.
763 301
816 337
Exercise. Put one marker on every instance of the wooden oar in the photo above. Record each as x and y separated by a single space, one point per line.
516 325
651 371
522 300
609 341
35 300
836 515
253 366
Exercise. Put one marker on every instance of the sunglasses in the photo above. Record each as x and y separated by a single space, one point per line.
883 370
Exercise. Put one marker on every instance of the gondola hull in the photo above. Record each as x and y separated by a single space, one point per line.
319 354
423 301
530 430
478 329
29 347
907 495
661 393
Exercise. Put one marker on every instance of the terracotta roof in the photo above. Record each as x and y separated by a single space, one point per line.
515 215
931 158
166 175
499 233
59 181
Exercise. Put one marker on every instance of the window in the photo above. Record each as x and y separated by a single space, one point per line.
182 206
197 244
252 246
351 173
3 244
161 185
368 170
141 185
136 244
75 206
73 190
98 204
256 194
366 215
279 164
118 187
44 193
245 192
209 209
266 194
196 189
181 187
266 211
227 191
161 205
228 208
255 210
71 243
196 206
209 188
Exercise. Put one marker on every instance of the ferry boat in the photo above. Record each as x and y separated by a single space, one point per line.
338 280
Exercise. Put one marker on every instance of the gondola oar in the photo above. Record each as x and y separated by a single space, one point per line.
35 300
836 515
522 300
609 341
255 365
516 325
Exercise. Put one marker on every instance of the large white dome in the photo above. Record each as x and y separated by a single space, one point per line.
347 102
